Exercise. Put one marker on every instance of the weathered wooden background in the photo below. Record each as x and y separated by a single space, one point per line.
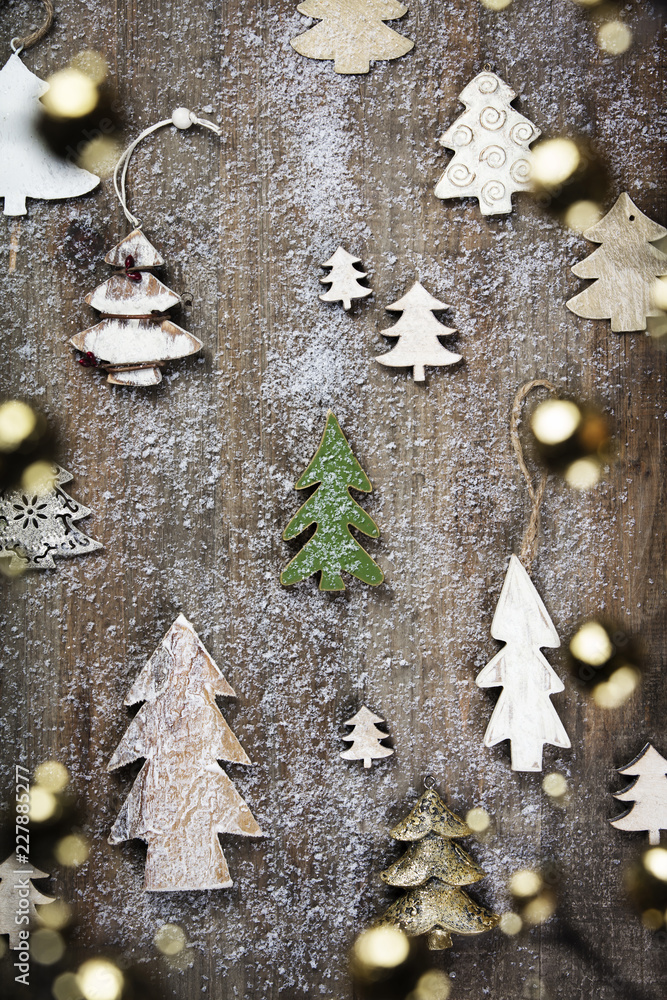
191 484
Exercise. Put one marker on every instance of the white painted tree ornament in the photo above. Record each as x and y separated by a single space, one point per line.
624 268
134 338
344 279
524 713
648 793
18 897
28 168
491 143
36 528
182 799
352 33
418 331
365 738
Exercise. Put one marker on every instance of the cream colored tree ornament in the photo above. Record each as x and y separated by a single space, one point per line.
134 338
352 33
18 897
625 267
418 331
344 279
28 168
181 799
365 738
491 145
524 714
648 793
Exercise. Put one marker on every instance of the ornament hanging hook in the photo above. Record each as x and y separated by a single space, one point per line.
429 781
18 44
528 549
182 118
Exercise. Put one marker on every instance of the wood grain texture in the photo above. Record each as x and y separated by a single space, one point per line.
191 485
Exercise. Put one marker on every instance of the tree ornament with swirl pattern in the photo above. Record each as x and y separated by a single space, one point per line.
490 140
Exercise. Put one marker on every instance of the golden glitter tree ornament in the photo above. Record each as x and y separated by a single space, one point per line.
433 869
524 714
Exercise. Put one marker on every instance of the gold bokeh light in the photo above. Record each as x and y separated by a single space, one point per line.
71 94
71 851
525 883
555 421
478 820
381 948
170 939
591 644
17 422
53 775
614 38
100 979
554 162
618 688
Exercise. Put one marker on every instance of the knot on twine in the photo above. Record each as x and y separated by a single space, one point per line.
25 43
528 549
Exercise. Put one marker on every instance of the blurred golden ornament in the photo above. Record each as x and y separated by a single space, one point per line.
71 94
555 785
46 946
433 985
540 909
66 987
573 439
510 923
495 5
72 850
100 979
25 438
170 939
525 883
56 916
555 161
53 775
606 661
92 63
43 804
581 215
478 820
614 38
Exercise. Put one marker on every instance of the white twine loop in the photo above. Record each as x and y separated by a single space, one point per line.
182 119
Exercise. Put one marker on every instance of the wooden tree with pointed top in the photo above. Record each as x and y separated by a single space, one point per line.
28 168
344 279
524 713
15 878
134 338
365 738
625 266
648 793
433 869
333 548
352 33
418 333
181 799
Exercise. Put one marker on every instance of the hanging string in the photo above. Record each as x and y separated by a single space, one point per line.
528 549
18 44
182 119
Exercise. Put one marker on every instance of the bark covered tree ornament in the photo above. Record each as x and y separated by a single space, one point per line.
433 869
365 738
28 168
135 338
491 143
524 713
352 33
18 897
623 268
344 279
181 799
647 793
418 333
333 548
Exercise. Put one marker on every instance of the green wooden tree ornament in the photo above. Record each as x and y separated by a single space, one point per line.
332 549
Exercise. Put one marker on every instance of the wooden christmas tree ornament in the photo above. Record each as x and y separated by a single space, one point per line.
352 33
28 168
35 529
418 333
135 338
491 145
332 549
433 869
344 279
624 269
648 793
365 738
18 897
524 713
181 799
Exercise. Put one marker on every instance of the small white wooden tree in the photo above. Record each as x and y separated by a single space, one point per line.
365 738
648 793
16 878
352 33
181 799
28 168
524 713
418 331
625 266
344 279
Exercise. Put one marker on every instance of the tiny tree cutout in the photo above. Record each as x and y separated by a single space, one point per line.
352 33
28 167
18 897
344 279
181 799
433 869
418 333
491 143
524 713
648 793
624 268
365 738
332 549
